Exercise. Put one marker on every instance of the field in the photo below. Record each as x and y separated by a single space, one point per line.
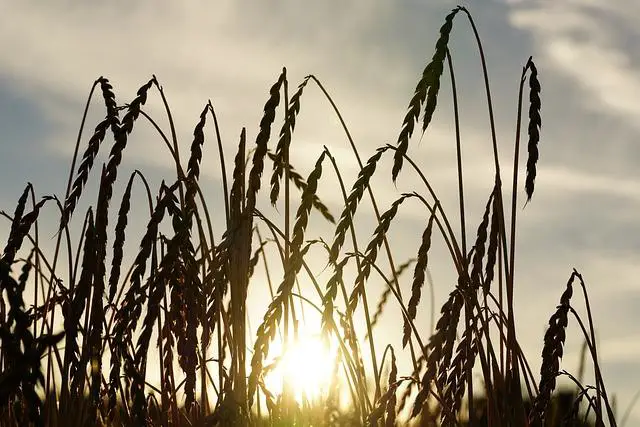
162 338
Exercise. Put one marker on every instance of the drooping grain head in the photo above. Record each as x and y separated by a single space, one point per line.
118 242
255 174
427 88
357 191
480 244
459 371
494 235
552 352
535 122
440 349
284 141
384 297
300 183
111 121
372 251
418 278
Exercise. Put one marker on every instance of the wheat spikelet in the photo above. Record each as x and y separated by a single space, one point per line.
390 409
265 334
253 262
20 231
284 141
118 241
357 191
330 295
418 279
109 98
427 88
193 168
96 315
111 121
19 210
552 352
448 340
84 168
94 346
262 139
461 365
372 251
306 202
76 306
494 234
437 68
167 365
440 347
193 165
481 240
535 122
238 184
385 406
237 238
384 297
301 184
157 285
184 320
219 280
11 241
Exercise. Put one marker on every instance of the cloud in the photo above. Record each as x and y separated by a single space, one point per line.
583 40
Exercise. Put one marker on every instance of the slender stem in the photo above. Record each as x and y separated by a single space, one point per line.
449 236
456 115
514 188
386 243
174 137
223 169
354 240
468 312
594 356
66 195
600 389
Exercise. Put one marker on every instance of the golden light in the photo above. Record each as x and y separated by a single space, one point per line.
307 366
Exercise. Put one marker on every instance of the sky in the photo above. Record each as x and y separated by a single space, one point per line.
369 55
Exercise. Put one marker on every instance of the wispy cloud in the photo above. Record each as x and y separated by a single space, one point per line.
586 42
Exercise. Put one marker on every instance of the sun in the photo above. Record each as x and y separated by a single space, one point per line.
307 366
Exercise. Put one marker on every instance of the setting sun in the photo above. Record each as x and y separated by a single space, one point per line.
306 366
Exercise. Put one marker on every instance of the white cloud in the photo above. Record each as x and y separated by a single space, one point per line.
582 41
227 51
561 181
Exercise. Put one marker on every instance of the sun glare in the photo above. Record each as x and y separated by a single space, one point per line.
307 367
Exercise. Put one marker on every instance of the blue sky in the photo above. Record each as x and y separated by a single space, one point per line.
369 55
